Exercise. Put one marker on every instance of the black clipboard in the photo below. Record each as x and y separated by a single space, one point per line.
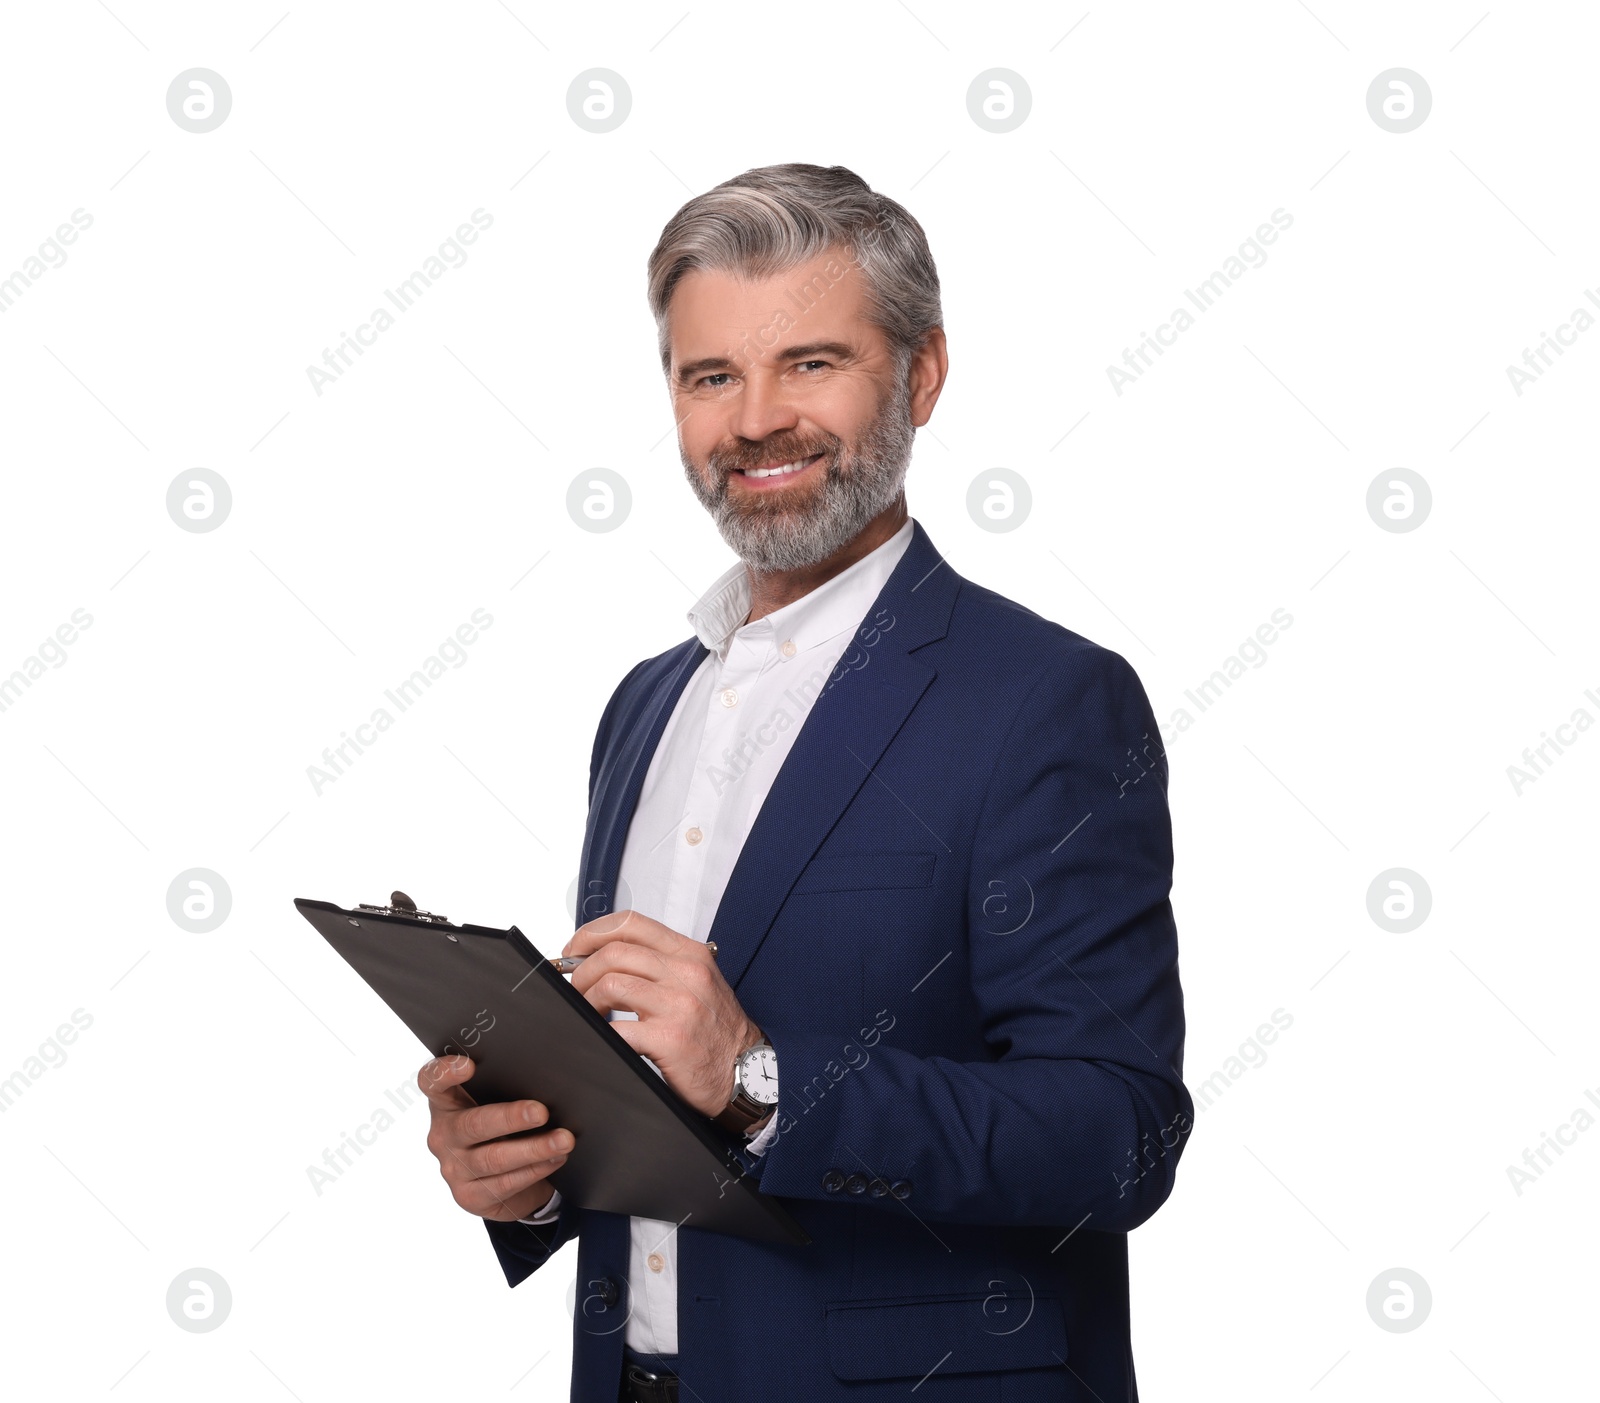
489 994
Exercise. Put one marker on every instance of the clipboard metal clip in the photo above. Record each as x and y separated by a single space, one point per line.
402 905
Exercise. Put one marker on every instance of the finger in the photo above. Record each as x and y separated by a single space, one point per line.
499 1118
693 987
506 1156
628 926
627 993
641 1037
623 958
683 960
440 1081
516 1195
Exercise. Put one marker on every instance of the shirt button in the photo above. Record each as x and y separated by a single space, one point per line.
787 648
693 836
729 697
656 1261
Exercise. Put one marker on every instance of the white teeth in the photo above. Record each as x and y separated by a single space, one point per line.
775 472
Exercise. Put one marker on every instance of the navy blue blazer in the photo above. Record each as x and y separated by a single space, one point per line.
951 919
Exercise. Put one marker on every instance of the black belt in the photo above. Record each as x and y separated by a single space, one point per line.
644 1382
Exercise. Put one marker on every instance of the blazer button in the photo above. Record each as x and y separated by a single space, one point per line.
901 1188
606 1290
856 1184
832 1181
878 1188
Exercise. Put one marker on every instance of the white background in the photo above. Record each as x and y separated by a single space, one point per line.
430 480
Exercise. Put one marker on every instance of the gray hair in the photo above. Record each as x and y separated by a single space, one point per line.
773 218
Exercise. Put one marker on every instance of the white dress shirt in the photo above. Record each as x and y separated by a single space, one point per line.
716 761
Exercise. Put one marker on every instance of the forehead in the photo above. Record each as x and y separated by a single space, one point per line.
714 312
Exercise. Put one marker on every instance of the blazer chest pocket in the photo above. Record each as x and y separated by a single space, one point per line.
865 872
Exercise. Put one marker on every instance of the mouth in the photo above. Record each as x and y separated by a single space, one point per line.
772 475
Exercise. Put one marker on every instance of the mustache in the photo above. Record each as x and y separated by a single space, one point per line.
732 460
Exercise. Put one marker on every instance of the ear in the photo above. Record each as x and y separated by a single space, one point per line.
930 363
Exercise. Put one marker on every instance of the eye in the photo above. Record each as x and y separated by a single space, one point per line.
707 379
813 362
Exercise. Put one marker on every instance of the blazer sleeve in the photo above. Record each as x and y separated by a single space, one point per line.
1080 1114
523 1248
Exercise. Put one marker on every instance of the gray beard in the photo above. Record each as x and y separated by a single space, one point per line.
771 535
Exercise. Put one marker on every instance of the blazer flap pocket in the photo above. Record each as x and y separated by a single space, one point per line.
863 871
966 1334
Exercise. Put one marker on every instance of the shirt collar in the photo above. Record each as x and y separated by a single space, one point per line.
828 610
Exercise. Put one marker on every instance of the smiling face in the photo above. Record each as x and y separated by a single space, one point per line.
795 422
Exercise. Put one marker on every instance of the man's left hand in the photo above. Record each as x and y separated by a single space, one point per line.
690 1023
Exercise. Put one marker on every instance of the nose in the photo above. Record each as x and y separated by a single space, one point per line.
762 409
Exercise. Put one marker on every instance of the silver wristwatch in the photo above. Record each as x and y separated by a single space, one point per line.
755 1089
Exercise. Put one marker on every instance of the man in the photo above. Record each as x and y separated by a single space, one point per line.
884 862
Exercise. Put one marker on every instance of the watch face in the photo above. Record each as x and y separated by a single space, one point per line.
758 1075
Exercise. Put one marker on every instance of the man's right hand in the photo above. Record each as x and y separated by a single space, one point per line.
490 1175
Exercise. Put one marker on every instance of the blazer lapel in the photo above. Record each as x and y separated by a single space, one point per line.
844 736
621 777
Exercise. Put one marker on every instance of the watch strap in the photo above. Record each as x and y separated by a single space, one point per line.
739 1115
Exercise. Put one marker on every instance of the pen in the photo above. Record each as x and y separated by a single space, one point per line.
565 964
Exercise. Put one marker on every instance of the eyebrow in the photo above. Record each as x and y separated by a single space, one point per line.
811 350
